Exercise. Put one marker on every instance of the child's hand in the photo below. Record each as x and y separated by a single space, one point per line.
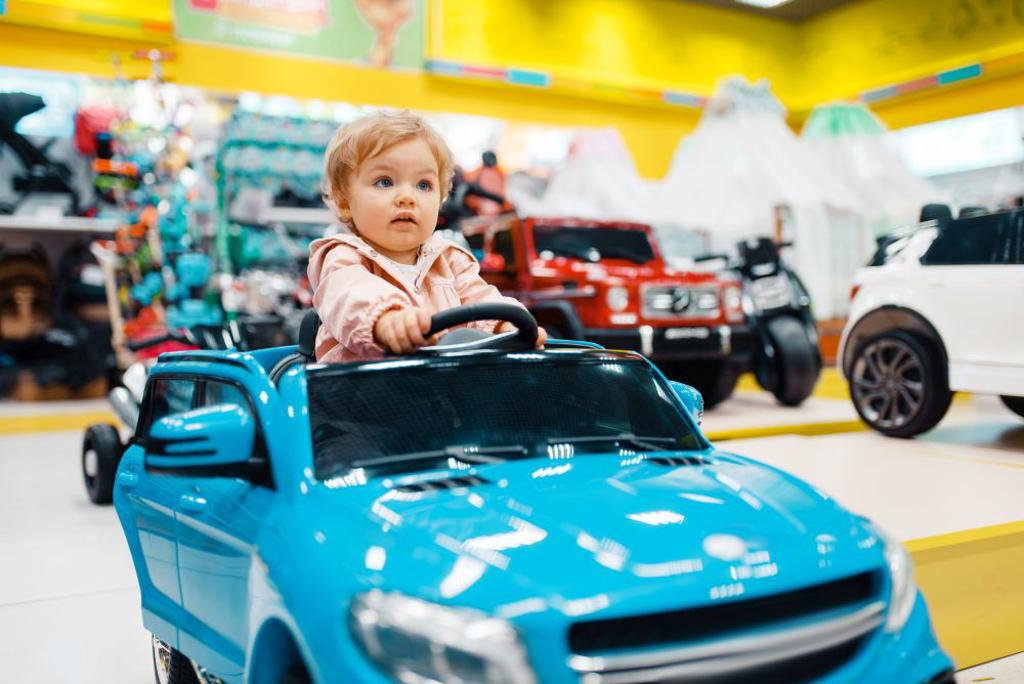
542 334
402 330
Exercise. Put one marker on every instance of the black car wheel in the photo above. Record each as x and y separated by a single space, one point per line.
170 666
796 363
898 384
101 453
1015 404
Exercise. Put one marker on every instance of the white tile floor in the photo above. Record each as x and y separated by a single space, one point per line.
960 476
69 607
1005 671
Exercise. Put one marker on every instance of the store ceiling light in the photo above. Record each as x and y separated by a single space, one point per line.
763 3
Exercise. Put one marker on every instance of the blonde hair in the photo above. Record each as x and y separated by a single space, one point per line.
364 138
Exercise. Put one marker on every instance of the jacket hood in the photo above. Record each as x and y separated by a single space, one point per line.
319 249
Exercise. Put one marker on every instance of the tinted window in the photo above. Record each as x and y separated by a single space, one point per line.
1020 236
172 396
537 408
223 393
169 396
503 246
215 393
979 240
593 244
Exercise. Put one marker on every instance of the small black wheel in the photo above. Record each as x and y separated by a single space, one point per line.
1015 404
715 380
170 666
101 454
796 362
898 384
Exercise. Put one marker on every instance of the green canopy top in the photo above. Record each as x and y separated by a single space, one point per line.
842 119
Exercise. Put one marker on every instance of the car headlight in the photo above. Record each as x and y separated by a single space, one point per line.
617 298
732 300
901 576
419 642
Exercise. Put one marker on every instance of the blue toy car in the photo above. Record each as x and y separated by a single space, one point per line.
483 512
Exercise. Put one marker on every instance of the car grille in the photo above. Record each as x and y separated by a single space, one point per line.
672 301
789 638
445 483
679 460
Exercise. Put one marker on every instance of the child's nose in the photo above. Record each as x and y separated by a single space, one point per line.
405 195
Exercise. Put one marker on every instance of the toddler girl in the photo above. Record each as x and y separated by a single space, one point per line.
385 176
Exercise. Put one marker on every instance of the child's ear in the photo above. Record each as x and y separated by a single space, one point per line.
344 211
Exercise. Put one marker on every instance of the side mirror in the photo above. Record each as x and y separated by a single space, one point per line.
493 263
213 436
691 399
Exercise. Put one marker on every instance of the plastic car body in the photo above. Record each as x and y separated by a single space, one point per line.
278 535
937 311
606 282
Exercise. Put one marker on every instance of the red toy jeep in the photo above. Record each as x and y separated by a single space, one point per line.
606 282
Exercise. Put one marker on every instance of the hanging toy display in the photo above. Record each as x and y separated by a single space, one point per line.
268 185
155 269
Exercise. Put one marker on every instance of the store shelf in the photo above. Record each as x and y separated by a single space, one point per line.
68 224
297 215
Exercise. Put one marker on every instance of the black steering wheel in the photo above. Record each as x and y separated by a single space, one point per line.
524 337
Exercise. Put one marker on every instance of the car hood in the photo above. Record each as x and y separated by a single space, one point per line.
597 531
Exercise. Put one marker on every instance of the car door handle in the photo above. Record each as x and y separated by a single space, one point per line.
192 503
127 479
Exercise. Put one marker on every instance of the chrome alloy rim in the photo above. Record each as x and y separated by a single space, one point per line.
888 383
92 463
161 661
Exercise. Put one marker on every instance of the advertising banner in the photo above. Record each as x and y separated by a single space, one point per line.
378 33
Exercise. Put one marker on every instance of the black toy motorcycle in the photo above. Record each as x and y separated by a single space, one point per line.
786 360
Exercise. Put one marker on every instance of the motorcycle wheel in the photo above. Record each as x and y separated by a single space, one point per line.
796 365
715 380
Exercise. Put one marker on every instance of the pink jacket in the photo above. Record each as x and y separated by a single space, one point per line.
353 285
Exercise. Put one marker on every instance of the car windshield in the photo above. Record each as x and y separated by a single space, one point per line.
593 244
393 417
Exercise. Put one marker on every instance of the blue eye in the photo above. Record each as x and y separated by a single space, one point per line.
425 186
383 182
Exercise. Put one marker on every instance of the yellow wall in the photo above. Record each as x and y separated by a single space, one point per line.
140 19
876 43
839 54
658 44
645 128
651 43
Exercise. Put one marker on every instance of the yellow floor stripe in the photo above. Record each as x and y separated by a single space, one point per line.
971 580
55 422
831 385
965 536
807 429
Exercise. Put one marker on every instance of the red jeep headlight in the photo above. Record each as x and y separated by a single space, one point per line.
732 302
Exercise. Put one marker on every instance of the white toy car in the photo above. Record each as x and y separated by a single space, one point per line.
939 309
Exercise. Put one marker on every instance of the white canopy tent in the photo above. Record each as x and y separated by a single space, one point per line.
741 167
850 141
598 181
